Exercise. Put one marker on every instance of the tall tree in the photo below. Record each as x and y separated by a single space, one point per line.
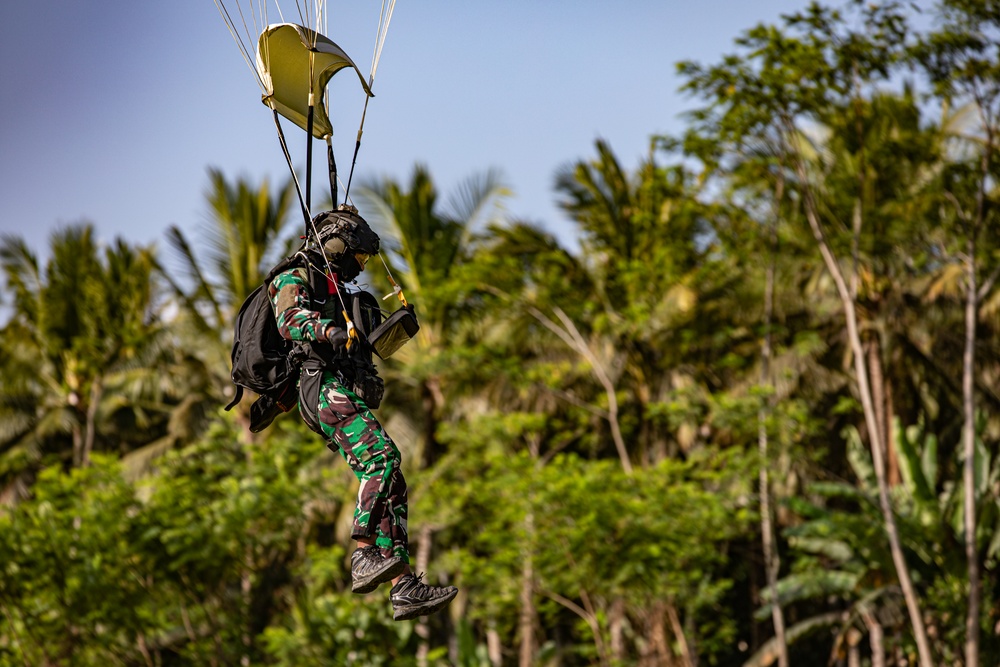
83 328
787 78
244 236
425 247
645 238
960 59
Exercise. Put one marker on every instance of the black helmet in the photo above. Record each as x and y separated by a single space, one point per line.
344 231
346 240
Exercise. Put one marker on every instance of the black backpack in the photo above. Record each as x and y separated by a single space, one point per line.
264 361
268 364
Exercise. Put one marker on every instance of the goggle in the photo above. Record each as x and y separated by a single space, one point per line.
362 258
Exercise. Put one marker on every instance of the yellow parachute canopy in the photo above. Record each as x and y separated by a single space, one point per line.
284 51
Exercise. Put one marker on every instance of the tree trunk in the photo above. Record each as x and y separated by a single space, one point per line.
616 623
876 639
90 432
494 649
433 399
772 560
865 394
423 628
246 589
679 635
969 465
657 651
853 651
526 621
77 434
883 409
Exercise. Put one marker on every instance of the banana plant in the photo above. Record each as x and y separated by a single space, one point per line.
842 574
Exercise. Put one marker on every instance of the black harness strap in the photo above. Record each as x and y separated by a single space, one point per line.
309 153
331 164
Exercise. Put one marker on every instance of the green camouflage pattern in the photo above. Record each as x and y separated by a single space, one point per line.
347 423
293 310
352 429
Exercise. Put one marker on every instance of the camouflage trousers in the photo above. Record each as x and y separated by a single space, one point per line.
351 428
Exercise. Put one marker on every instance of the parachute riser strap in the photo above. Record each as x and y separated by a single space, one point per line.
396 289
309 151
357 147
310 121
291 168
332 167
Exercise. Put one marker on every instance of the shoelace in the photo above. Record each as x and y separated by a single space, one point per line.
366 554
419 588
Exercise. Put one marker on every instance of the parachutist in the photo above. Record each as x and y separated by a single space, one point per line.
317 338
338 388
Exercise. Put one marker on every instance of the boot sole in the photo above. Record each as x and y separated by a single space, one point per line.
394 568
422 609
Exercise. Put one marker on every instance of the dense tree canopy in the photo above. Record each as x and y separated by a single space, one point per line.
750 418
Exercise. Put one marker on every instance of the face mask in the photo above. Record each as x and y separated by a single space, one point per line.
350 267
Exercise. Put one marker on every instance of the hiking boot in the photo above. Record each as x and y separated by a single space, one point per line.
369 569
411 598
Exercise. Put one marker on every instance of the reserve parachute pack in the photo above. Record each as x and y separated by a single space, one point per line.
270 365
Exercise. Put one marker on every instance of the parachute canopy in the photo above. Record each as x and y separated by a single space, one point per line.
284 51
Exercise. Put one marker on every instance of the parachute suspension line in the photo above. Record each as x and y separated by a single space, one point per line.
291 168
385 16
303 19
235 33
281 14
319 16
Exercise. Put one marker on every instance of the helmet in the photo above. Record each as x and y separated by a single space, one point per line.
346 240
344 230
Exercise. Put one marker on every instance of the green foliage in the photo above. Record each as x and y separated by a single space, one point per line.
541 374
840 553
591 532
79 354
196 563
72 586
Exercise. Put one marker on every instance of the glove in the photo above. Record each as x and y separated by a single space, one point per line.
336 337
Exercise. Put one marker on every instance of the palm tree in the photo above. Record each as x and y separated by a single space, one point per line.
645 323
644 239
426 247
244 237
78 352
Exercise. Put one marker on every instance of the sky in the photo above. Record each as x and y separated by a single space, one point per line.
114 110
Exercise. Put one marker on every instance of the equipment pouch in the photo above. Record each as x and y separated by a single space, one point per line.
310 383
396 331
369 388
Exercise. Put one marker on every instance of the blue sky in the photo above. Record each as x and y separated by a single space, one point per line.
113 110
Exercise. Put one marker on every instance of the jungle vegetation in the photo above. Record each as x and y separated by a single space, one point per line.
749 415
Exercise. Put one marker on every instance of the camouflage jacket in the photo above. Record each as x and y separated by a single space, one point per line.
298 317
